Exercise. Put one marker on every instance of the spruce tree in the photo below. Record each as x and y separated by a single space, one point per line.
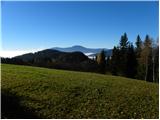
114 63
131 62
123 54
124 41
138 46
138 50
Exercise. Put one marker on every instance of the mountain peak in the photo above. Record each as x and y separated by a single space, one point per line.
78 46
82 49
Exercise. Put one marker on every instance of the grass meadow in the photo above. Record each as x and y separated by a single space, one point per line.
34 92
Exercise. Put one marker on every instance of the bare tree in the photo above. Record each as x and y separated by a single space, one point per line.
146 51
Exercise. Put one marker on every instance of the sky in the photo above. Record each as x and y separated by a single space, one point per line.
32 25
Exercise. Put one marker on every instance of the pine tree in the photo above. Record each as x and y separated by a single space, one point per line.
114 63
138 46
123 54
124 41
138 50
131 62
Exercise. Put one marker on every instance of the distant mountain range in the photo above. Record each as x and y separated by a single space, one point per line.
71 58
55 59
87 51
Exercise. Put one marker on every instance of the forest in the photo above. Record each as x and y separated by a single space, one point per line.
139 61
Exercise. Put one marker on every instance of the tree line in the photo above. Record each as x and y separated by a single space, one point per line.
140 61
49 58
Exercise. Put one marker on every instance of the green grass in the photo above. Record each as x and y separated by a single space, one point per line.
50 93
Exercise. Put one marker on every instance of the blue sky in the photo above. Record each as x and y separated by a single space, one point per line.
38 25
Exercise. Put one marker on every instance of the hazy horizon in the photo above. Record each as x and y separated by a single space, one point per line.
13 53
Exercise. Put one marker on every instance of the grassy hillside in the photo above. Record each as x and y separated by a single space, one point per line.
32 92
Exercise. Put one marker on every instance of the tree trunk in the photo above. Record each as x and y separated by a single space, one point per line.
153 69
146 70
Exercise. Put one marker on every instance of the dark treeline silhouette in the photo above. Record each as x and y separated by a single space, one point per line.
55 59
140 62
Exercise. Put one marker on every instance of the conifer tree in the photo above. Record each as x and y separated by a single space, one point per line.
138 46
123 54
131 62
138 50
114 63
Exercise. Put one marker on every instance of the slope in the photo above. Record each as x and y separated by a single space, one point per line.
48 93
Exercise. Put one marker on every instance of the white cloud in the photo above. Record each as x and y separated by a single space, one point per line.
88 54
12 53
9 54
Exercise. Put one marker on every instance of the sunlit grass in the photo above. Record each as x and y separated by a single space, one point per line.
51 93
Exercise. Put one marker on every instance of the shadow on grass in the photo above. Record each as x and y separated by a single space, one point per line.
11 108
